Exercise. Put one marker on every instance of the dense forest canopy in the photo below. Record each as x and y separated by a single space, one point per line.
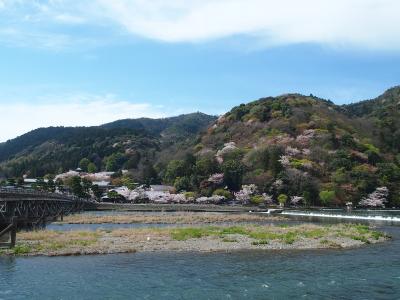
288 146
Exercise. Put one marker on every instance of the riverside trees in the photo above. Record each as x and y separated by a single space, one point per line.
376 199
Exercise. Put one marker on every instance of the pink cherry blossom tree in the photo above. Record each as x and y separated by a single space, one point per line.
376 199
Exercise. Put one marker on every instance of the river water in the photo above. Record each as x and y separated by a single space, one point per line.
371 272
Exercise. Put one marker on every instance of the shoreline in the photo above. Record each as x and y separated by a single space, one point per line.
175 207
200 239
184 217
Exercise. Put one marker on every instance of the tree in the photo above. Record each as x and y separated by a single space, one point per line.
76 186
83 164
245 194
282 198
296 200
91 168
111 164
264 159
233 174
175 168
376 199
182 183
40 185
86 186
113 195
59 185
327 197
51 186
206 166
149 174
222 192
115 161
275 165
97 193
256 199
190 160
128 181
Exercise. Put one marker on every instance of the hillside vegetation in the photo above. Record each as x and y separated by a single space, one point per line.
125 144
288 146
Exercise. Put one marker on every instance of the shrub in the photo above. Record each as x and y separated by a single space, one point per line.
327 197
182 183
22 249
222 192
233 174
282 198
256 200
189 195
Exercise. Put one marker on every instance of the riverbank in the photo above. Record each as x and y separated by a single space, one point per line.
175 207
169 218
194 239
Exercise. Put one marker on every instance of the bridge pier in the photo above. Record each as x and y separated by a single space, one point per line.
8 235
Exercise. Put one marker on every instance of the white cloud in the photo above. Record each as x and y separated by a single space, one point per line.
372 24
69 19
79 110
360 23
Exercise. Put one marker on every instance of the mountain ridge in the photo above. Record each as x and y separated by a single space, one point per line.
306 144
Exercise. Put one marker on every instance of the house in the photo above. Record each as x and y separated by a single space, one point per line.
29 182
162 188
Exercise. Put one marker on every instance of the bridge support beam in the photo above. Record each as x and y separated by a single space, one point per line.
11 231
13 234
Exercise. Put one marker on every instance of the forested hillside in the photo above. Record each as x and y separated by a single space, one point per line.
125 144
300 146
291 145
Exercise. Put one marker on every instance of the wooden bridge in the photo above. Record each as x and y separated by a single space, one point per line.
20 208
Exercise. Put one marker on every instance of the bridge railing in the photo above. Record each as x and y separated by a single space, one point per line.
61 196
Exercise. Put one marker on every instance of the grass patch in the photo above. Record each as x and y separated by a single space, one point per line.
183 234
265 235
287 235
283 225
260 242
229 240
360 238
362 229
314 234
21 249
290 237
234 230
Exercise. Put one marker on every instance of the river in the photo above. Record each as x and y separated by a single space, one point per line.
371 272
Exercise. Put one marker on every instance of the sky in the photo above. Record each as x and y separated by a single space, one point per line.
70 63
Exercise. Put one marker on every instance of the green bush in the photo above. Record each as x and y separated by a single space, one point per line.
190 195
182 183
222 192
22 249
256 200
282 198
327 197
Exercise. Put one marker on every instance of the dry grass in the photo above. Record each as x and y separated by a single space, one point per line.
203 238
179 218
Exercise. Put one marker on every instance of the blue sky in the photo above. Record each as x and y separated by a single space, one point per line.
63 63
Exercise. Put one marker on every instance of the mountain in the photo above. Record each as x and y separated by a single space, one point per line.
301 145
293 144
125 143
383 115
